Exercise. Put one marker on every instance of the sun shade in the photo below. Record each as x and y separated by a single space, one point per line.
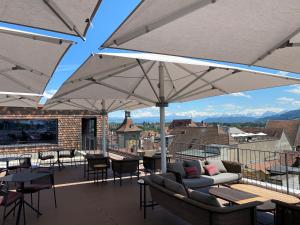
28 60
64 16
15 100
135 76
107 105
261 33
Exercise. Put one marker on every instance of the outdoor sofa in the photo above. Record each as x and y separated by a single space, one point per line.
229 172
196 207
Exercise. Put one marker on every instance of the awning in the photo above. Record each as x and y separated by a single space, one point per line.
19 100
28 60
98 105
262 33
135 76
64 16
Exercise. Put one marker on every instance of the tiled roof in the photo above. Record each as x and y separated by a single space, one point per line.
128 126
271 132
263 166
182 123
290 127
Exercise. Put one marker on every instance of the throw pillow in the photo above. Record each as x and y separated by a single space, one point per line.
211 170
196 163
219 164
205 198
175 187
191 172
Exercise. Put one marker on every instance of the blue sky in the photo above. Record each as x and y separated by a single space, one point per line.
109 16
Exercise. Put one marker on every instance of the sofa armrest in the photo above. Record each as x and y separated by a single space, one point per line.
232 167
286 205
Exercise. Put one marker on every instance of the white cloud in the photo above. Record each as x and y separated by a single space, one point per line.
241 94
49 93
295 90
283 73
290 101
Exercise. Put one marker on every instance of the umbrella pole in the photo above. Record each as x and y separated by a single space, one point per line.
103 114
162 104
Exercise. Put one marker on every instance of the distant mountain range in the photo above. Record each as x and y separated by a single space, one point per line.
288 115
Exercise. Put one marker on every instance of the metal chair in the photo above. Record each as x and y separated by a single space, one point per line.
43 158
69 155
44 183
9 198
125 166
95 160
25 162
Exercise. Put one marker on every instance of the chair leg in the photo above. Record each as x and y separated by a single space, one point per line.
120 180
114 176
38 202
4 216
54 194
24 218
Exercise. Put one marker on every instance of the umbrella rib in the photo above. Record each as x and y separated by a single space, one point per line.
22 100
190 93
63 17
91 104
111 104
78 106
18 82
190 83
34 71
124 91
139 82
282 43
120 107
147 78
162 21
169 75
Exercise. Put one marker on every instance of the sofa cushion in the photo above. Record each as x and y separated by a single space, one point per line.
226 177
197 163
203 181
177 167
175 187
204 198
191 172
211 170
157 179
218 163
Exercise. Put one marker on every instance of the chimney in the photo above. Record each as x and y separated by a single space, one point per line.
127 114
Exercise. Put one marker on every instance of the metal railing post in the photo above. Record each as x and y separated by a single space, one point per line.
287 174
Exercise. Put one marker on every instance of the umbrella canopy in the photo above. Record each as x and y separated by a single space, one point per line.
95 105
158 80
19 100
262 33
28 60
65 16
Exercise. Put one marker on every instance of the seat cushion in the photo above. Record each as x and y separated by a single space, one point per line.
11 198
178 168
204 198
175 187
226 177
203 181
219 164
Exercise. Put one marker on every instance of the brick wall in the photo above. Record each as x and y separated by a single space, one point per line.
69 127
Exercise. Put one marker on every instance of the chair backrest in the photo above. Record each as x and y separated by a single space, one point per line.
72 152
98 160
45 180
151 163
287 213
40 155
25 161
125 165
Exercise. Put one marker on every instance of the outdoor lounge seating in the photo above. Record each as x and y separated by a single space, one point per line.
42 157
70 155
286 213
229 172
151 163
194 206
93 167
125 166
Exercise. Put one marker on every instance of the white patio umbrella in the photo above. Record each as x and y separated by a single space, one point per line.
158 80
28 60
10 99
102 106
64 16
252 32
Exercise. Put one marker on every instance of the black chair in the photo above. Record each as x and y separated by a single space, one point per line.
286 214
10 200
93 162
151 164
44 157
125 166
25 162
70 155
36 186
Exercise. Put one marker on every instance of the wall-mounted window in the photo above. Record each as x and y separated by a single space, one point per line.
25 131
